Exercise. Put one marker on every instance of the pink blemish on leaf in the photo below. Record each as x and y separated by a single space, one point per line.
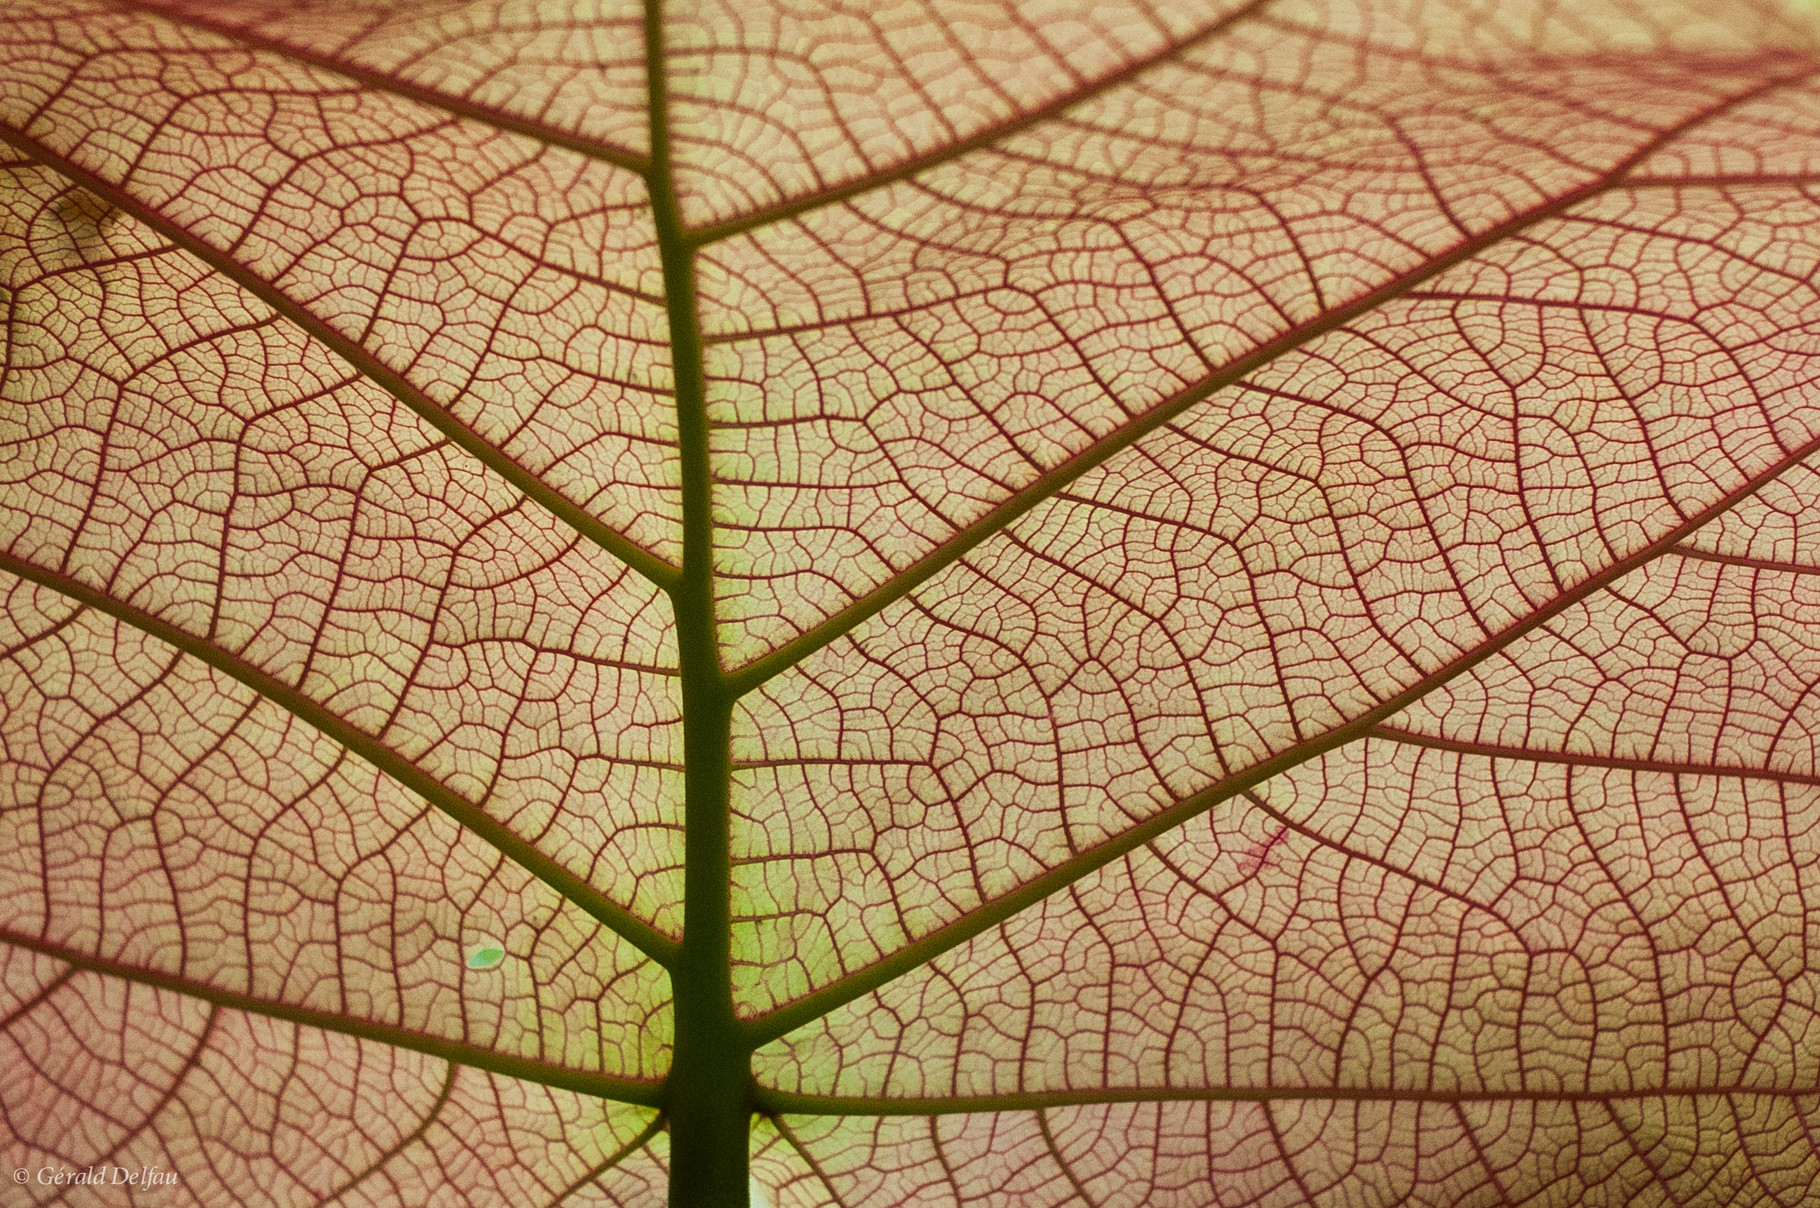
1255 857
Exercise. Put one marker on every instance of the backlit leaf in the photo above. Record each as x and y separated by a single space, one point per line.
1007 604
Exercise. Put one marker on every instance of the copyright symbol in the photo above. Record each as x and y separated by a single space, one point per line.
22 1176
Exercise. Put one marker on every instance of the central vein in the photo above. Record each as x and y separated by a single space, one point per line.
706 1095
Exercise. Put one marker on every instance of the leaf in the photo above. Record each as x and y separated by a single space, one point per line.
1113 604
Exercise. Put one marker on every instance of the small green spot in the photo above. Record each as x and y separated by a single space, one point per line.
485 956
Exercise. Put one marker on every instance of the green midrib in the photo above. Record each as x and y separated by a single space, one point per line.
706 1096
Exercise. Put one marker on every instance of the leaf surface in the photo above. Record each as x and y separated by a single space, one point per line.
1153 604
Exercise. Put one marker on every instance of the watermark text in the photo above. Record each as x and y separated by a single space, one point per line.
97 1176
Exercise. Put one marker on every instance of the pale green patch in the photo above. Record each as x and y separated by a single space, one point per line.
486 955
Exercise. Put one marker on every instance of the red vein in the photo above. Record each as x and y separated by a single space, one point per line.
39 999
654 944
380 81
1053 481
417 1134
613 1159
655 569
991 134
605 1086
792 1103
802 1151
773 1024
1765 564
1667 767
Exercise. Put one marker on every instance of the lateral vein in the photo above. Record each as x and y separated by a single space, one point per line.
638 559
635 931
701 236
997 519
765 1028
379 81
775 1102
605 1086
